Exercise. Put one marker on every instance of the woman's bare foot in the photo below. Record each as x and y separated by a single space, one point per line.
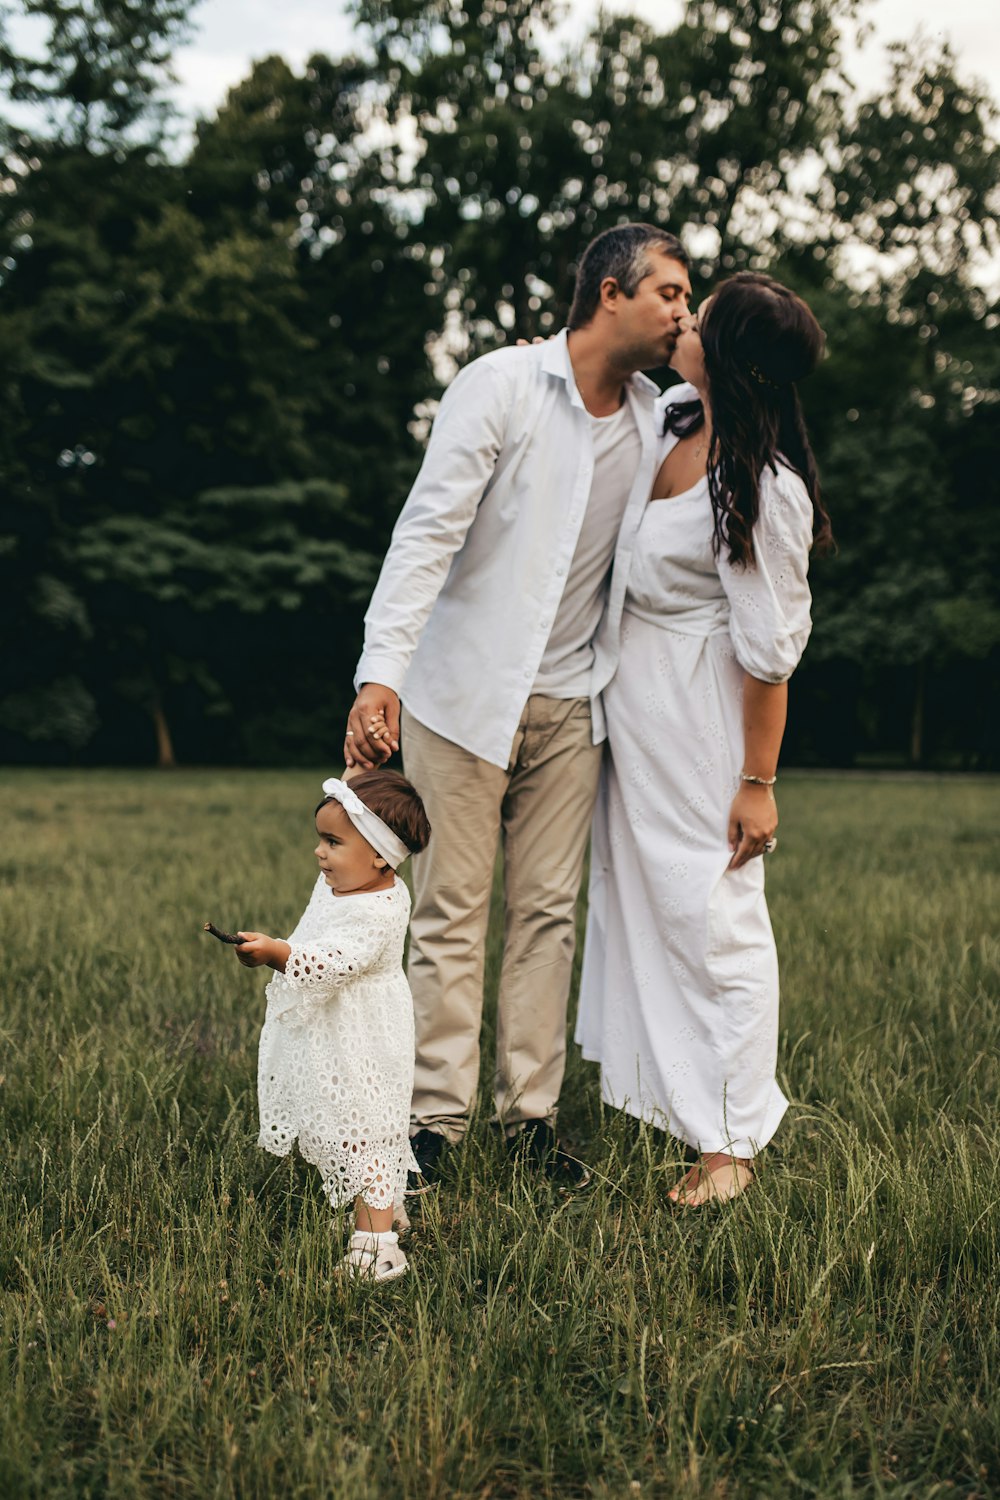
713 1178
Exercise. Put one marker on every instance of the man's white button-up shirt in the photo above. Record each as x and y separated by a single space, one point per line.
480 553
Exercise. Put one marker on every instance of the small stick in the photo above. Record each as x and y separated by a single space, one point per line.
224 937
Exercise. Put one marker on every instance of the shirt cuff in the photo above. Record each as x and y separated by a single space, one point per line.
383 669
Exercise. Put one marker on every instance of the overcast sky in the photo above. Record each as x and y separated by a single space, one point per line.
232 33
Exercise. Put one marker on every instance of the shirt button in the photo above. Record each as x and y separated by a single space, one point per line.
560 572
526 676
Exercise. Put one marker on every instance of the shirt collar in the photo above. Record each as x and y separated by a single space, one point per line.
556 361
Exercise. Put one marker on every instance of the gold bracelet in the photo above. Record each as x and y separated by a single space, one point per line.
758 780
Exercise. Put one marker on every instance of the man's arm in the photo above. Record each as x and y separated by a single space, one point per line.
462 453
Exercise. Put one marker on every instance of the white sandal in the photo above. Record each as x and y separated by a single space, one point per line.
374 1257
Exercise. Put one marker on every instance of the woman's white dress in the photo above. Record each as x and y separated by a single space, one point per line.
335 1066
679 992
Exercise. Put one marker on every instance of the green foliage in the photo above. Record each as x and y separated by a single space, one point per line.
103 67
968 626
173 1324
524 159
60 710
285 152
918 170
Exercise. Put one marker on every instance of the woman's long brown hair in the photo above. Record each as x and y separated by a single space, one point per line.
759 338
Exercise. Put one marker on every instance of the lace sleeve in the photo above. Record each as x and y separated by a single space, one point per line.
769 601
322 966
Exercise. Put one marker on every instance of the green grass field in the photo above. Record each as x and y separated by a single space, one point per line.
172 1325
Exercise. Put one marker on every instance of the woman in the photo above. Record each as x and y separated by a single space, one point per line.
679 995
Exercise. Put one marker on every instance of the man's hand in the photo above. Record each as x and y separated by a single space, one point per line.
372 727
258 949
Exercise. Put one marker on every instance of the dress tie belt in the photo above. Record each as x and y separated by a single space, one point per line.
694 622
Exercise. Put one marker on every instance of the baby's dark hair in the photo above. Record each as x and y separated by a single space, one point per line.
396 801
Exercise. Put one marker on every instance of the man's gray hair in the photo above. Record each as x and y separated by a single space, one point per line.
622 252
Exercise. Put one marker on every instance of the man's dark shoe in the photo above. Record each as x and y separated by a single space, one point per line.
536 1147
426 1146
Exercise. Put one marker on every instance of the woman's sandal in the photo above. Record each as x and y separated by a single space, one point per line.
374 1258
713 1179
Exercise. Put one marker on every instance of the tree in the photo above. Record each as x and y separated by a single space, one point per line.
296 153
170 355
72 196
267 567
914 180
103 69
521 158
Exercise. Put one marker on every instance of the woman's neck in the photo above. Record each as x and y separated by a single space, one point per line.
707 410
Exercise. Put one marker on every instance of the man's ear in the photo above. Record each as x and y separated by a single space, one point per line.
609 292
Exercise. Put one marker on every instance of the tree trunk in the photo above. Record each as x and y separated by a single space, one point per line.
917 721
165 758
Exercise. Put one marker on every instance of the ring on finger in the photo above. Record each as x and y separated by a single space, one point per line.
770 846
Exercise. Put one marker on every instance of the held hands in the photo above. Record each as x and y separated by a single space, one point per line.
372 727
258 949
753 819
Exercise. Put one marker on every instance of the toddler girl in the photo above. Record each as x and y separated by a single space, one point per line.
335 1067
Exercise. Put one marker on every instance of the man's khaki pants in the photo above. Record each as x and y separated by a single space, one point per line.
541 805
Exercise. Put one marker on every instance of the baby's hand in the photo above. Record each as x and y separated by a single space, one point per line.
257 949
378 730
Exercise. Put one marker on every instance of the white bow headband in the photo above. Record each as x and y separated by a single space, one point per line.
368 824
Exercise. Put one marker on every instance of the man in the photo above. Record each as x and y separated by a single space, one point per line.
514 541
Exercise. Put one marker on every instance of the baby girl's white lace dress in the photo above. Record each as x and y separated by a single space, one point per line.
335 1068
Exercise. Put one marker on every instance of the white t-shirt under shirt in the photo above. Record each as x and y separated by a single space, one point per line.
566 663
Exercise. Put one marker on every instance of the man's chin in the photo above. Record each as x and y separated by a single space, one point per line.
661 358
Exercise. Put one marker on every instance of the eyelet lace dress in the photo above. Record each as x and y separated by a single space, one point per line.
335 1067
679 991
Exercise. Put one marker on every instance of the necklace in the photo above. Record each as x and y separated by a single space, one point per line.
696 451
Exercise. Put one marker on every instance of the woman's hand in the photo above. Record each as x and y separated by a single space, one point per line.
753 819
258 949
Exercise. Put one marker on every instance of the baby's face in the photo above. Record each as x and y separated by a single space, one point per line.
348 861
